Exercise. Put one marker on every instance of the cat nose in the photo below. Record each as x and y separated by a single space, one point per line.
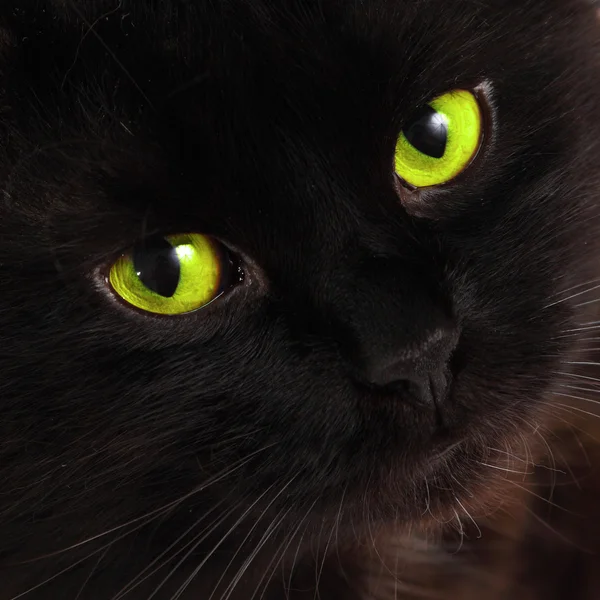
421 367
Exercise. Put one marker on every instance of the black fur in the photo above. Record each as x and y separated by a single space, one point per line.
271 126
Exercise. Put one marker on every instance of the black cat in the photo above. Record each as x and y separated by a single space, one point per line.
278 279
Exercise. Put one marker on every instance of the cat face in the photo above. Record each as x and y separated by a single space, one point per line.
361 339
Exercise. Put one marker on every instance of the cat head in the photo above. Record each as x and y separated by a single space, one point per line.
356 322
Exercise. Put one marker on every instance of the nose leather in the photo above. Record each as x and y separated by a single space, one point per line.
421 366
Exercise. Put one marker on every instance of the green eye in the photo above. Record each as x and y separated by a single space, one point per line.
171 275
439 140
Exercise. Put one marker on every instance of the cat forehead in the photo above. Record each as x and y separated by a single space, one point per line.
275 90
308 55
285 30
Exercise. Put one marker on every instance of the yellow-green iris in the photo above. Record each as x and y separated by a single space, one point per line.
440 140
171 275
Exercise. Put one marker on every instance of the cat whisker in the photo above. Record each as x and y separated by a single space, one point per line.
582 398
578 285
538 496
427 499
528 452
203 486
511 457
580 388
581 328
78 562
571 408
509 454
337 531
271 568
320 572
461 531
264 539
580 304
291 573
140 577
552 529
436 519
91 573
577 376
466 490
565 462
282 552
593 349
468 514
576 431
57 575
106 547
373 542
583 363
250 531
215 548
553 470
587 290
506 470
577 336
315 553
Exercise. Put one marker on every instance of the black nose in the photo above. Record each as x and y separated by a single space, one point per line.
422 365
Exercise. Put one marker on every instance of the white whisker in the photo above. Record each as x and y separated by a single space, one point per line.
509 454
583 363
290 577
579 388
586 303
553 469
582 328
552 529
140 577
505 469
582 398
320 572
466 490
56 575
575 408
470 517
215 548
91 574
265 538
288 543
250 531
78 562
427 500
578 376
157 511
529 491
461 531
590 289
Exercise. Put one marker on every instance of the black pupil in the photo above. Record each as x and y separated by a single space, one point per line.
427 131
157 265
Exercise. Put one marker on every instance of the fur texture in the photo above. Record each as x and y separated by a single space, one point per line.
241 451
